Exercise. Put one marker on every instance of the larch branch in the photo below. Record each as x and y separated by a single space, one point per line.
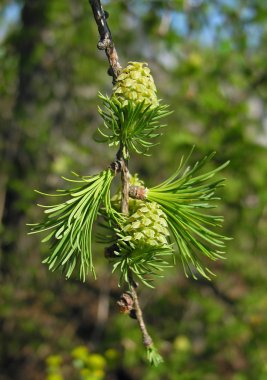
106 43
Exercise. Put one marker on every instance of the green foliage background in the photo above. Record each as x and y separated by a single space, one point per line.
209 63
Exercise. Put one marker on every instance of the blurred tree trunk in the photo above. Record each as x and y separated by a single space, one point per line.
19 158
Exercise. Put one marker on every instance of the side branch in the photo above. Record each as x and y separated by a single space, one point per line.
106 42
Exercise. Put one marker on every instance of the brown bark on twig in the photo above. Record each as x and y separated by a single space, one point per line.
106 42
125 186
147 340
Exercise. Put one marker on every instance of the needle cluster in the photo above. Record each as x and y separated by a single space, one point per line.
176 212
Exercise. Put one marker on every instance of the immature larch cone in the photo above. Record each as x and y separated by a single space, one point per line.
147 226
136 84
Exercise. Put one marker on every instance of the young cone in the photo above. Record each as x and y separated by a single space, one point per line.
142 246
136 84
147 226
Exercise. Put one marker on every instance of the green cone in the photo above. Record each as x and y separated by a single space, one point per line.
147 226
135 83
142 248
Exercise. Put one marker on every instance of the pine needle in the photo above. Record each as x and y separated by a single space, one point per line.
69 224
131 125
185 198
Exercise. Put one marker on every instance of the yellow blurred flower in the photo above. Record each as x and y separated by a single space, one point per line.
54 361
182 343
80 352
96 361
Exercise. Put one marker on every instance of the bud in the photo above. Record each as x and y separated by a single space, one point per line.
135 83
125 303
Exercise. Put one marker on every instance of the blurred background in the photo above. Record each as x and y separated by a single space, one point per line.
208 59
